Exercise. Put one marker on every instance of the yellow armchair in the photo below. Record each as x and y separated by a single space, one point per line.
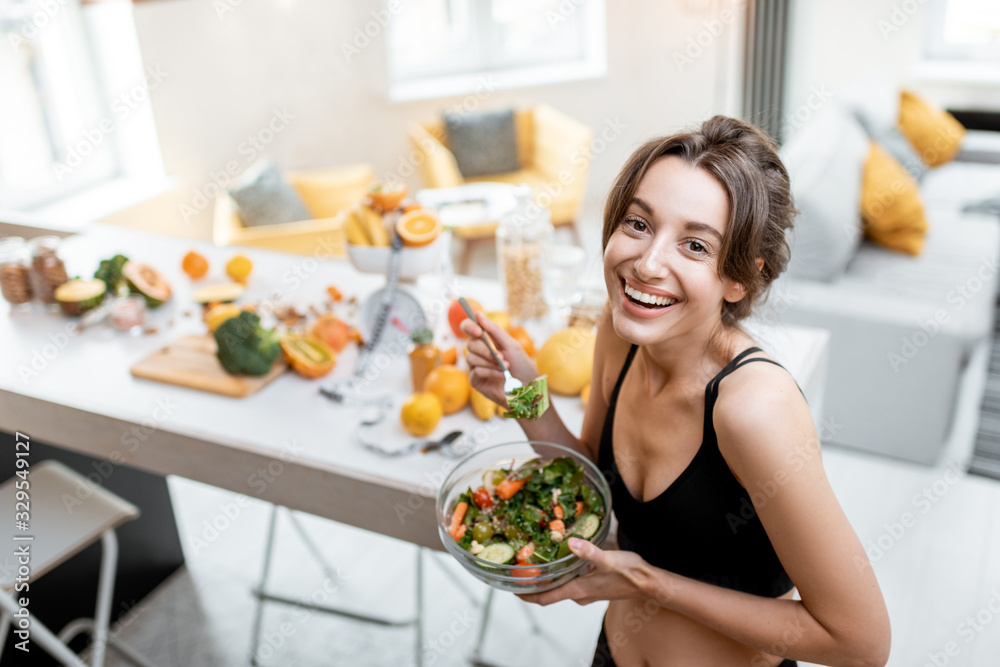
553 151
325 192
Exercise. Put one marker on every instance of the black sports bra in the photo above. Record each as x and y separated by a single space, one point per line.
703 526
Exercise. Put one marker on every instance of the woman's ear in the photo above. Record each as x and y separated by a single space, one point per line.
735 292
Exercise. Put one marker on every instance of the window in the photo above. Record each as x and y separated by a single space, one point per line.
963 30
444 47
50 105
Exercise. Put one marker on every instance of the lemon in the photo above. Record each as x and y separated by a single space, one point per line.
421 413
482 407
239 268
568 359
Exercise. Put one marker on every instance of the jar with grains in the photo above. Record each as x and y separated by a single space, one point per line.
523 237
15 285
47 269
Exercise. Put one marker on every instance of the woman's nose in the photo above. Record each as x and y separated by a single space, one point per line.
653 263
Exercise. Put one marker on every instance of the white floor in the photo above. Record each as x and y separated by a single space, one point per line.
938 576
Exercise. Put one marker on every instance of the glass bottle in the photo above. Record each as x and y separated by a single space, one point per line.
424 357
523 238
15 283
47 269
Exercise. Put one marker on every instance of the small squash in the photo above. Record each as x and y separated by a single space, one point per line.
308 356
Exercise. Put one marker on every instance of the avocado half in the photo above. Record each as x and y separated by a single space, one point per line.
147 281
77 296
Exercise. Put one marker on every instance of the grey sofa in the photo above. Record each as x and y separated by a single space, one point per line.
903 328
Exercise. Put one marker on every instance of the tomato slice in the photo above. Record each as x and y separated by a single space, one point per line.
482 498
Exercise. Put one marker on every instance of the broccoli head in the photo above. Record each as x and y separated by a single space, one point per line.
110 271
246 348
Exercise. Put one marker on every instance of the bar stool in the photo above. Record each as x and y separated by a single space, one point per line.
53 534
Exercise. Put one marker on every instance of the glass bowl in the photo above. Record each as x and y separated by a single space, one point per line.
469 472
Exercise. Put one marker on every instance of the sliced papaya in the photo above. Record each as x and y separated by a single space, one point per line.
308 356
147 281
77 296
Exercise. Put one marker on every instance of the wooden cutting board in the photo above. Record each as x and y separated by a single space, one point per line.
191 362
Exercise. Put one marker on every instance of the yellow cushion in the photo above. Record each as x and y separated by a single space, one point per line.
890 204
933 132
326 192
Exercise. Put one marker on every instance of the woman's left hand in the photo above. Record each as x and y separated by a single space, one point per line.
614 575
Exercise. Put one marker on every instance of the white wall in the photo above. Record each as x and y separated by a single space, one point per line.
834 43
226 74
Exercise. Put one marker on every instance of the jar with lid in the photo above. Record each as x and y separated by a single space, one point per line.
424 357
47 269
523 238
15 284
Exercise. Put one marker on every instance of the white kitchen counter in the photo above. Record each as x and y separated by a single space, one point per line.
286 444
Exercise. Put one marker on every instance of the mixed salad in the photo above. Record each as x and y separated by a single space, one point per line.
526 515
530 401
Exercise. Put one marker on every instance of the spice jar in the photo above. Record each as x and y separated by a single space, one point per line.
47 270
523 238
15 285
424 357
128 313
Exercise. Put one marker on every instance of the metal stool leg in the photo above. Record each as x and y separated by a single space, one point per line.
105 586
419 622
259 613
45 638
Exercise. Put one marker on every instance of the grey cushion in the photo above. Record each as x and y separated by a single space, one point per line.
825 161
263 198
896 145
483 143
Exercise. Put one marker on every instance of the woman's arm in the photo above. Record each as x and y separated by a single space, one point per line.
767 436
487 378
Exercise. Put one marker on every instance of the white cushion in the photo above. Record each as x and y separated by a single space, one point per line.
874 97
825 160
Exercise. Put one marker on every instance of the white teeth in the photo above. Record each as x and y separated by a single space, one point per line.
648 298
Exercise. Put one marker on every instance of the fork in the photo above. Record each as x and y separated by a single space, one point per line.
510 383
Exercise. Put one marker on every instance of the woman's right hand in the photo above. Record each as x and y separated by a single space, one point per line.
484 374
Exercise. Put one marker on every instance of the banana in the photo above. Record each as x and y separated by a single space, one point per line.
354 229
373 226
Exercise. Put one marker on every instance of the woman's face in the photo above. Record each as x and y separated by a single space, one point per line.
666 249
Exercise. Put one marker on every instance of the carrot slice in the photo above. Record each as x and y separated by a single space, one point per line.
579 508
558 526
456 519
558 511
524 554
507 488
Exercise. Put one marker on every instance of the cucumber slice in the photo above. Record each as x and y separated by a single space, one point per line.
586 526
563 549
498 553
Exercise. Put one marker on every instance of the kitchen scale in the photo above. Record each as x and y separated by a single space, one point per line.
385 314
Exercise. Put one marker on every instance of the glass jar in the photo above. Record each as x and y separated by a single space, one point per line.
15 283
128 313
47 269
424 357
523 238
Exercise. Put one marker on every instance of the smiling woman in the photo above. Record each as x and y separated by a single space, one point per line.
706 574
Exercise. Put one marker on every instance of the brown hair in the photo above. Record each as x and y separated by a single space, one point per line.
744 161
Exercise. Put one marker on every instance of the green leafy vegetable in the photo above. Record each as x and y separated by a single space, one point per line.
530 401
110 271
244 347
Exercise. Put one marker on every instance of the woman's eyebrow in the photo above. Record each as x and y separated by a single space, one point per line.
643 204
702 227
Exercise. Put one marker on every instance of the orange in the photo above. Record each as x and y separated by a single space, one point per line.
418 228
195 265
386 197
449 356
585 394
451 385
239 268
421 414
524 339
456 314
